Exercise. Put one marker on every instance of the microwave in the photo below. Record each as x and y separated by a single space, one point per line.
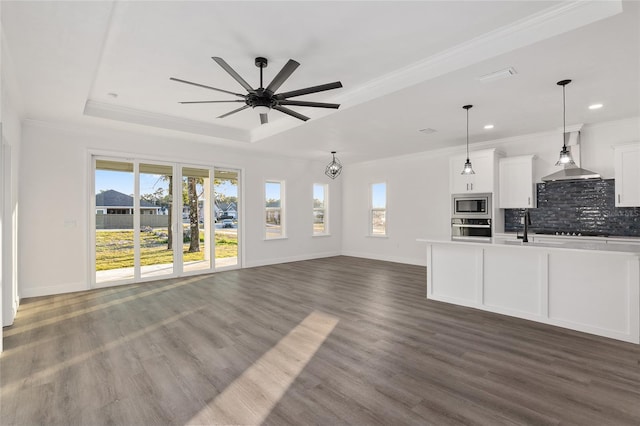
471 206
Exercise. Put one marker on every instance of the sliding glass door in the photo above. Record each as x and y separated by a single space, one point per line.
227 207
114 230
155 216
196 219
155 219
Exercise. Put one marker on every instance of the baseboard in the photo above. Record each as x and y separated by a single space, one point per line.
53 289
9 317
290 259
387 258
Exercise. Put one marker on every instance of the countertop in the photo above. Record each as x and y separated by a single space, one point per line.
588 246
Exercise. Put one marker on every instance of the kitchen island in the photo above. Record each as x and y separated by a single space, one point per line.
589 287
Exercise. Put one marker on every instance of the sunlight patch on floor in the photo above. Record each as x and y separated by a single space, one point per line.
49 321
40 376
249 399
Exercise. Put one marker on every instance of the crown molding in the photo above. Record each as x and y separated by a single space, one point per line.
545 24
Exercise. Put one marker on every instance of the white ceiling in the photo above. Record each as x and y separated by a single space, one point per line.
405 66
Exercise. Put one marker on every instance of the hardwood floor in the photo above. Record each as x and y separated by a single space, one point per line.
330 341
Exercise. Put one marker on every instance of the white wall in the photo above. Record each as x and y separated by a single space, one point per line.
54 195
418 187
10 113
417 194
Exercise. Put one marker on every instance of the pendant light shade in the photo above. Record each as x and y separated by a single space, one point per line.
334 168
565 155
468 169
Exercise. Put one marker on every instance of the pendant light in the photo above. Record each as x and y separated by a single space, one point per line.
468 170
334 168
565 155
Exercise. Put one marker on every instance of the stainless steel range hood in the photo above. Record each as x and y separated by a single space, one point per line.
571 173
574 172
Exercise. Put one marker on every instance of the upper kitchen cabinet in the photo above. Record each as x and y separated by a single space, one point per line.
485 167
627 175
517 189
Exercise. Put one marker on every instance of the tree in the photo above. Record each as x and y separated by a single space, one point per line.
192 198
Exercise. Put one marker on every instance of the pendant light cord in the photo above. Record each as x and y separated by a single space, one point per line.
467 134
564 119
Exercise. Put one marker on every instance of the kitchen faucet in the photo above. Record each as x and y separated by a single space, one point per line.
527 222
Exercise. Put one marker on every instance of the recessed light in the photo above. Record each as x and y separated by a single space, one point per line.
488 126
427 131
595 106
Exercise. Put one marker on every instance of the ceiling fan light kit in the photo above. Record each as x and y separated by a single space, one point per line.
262 99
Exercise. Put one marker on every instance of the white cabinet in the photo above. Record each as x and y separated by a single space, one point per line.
484 165
594 290
627 175
517 189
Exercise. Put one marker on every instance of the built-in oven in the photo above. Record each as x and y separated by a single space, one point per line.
471 216
466 206
471 229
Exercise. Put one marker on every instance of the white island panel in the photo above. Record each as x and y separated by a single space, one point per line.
592 292
459 279
514 281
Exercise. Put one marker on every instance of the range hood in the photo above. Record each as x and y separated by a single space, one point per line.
573 172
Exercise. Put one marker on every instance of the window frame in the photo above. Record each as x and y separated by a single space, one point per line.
324 209
283 228
370 225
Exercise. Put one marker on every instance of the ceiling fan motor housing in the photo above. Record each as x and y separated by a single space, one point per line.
261 98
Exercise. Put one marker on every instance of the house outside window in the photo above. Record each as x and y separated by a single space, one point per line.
320 209
378 210
274 210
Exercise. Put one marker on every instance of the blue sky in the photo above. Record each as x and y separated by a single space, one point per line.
123 182
318 192
272 191
379 195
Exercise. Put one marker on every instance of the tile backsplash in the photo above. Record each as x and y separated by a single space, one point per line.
578 206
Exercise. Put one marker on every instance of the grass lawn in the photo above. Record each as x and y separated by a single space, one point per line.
114 249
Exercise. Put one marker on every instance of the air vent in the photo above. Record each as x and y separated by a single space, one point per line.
427 131
508 72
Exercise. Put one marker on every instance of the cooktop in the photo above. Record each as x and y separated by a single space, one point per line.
571 233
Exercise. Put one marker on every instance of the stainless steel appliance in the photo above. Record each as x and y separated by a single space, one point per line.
471 217
470 229
466 206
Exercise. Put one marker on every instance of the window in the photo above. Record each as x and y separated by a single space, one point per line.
320 209
274 210
378 209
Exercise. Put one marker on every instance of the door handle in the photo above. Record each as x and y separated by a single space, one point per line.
528 201
618 198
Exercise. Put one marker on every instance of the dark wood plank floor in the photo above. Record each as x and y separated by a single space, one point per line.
331 341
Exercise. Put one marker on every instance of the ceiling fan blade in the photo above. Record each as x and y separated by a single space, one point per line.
282 76
233 112
264 119
209 102
309 104
291 113
233 74
206 87
308 90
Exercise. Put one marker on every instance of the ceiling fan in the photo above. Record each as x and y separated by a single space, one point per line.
264 99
